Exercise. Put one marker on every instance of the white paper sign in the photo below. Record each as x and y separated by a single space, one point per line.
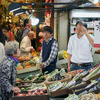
97 34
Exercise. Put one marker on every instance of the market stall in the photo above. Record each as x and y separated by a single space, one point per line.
59 84
75 85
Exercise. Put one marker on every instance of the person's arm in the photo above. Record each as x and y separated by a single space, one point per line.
27 49
69 51
91 40
53 54
24 47
40 56
69 62
12 37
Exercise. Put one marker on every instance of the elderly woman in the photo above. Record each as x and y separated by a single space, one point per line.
8 71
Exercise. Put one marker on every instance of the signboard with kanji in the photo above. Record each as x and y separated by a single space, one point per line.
97 34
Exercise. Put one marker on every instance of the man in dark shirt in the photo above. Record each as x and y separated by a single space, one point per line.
27 27
49 51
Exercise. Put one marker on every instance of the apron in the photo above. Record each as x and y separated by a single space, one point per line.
49 68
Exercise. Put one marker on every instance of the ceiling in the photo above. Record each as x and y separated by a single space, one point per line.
40 9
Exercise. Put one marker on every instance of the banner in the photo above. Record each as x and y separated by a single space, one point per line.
97 34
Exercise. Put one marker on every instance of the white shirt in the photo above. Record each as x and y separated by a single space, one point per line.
25 46
80 49
2 52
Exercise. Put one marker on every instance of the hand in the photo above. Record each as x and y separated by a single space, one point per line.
20 80
16 89
32 49
84 30
68 68
41 66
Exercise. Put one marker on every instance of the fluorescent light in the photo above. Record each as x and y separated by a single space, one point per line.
27 13
19 13
15 9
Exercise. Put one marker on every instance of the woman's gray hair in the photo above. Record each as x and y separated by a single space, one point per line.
11 48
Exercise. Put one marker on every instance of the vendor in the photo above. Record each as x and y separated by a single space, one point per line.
25 45
80 48
49 52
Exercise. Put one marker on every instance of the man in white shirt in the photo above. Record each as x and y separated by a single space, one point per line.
25 45
79 49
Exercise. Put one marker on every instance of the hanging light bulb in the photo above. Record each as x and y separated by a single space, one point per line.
34 21
95 1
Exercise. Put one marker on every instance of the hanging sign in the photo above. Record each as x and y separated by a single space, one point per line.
97 34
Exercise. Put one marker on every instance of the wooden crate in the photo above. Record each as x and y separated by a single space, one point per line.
63 92
41 97
93 78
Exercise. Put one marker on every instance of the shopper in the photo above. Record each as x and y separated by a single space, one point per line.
49 52
2 37
27 27
25 45
2 52
79 48
18 33
8 71
6 31
14 28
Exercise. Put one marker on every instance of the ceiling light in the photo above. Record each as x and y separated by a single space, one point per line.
18 12
34 21
33 10
13 7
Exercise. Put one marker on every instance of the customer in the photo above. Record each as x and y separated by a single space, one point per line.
25 45
6 31
49 51
27 27
8 71
2 43
18 33
79 49
2 37
14 28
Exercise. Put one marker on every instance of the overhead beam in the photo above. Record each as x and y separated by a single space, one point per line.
74 6
45 4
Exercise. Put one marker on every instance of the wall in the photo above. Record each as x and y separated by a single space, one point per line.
55 26
61 30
